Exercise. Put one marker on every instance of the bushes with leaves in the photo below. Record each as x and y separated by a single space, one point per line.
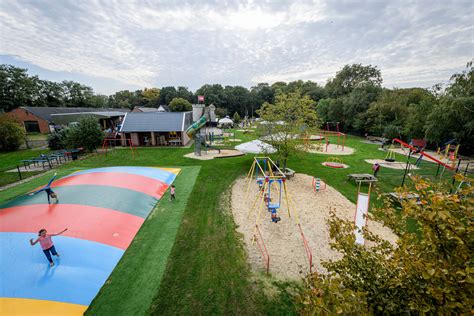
86 134
429 271
58 139
12 134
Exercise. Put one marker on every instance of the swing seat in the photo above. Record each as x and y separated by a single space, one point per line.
389 159
273 206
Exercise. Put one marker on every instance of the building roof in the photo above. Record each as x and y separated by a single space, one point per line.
46 112
156 122
161 108
66 118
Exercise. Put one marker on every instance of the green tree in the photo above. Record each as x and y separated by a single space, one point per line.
213 94
236 118
352 76
167 94
286 121
12 134
17 88
86 134
462 84
58 139
428 272
180 105
151 97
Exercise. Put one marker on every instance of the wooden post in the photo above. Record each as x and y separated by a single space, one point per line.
153 139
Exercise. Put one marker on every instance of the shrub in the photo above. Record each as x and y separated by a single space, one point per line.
180 105
12 134
236 118
86 134
57 140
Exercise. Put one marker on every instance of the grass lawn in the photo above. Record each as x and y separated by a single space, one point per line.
206 271
143 265
9 161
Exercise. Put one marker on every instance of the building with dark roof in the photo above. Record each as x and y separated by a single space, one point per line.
156 128
43 119
161 108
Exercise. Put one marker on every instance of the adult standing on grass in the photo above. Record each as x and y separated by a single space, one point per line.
46 244
376 168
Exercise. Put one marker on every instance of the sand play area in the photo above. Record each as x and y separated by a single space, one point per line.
288 259
211 154
332 149
391 165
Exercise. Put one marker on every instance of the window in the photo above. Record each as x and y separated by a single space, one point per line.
32 126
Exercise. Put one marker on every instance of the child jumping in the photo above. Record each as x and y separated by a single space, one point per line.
49 192
172 197
46 244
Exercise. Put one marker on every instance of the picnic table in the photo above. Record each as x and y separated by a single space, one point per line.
362 177
399 198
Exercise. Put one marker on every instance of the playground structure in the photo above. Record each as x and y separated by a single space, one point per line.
318 185
334 162
112 143
193 131
361 213
272 195
103 210
390 157
449 151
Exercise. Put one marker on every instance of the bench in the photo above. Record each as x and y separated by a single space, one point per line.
362 177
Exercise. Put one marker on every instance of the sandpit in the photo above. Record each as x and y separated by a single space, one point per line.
211 154
332 149
335 165
391 165
283 240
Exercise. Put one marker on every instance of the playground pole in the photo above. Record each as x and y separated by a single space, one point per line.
467 168
454 176
407 167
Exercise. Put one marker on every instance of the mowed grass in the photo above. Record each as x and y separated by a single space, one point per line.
207 271
9 161
134 282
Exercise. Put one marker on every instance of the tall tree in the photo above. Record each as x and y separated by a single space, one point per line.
213 94
167 94
151 97
352 76
286 121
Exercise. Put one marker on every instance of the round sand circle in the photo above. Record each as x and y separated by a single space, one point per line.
335 165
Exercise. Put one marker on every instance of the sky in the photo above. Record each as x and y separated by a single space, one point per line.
116 45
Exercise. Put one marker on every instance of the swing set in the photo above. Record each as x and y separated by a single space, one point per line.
272 195
112 142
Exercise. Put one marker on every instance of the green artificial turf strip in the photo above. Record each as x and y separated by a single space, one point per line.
131 287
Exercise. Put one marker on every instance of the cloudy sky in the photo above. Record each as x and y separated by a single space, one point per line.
114 45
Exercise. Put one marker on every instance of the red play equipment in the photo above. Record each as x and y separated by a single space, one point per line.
421 152
111 142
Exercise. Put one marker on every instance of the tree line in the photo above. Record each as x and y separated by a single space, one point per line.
354 97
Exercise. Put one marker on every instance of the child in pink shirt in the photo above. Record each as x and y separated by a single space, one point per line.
172 197
46 244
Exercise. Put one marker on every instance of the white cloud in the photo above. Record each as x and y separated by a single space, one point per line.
193 43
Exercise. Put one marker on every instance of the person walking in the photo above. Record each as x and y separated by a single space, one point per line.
376 168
